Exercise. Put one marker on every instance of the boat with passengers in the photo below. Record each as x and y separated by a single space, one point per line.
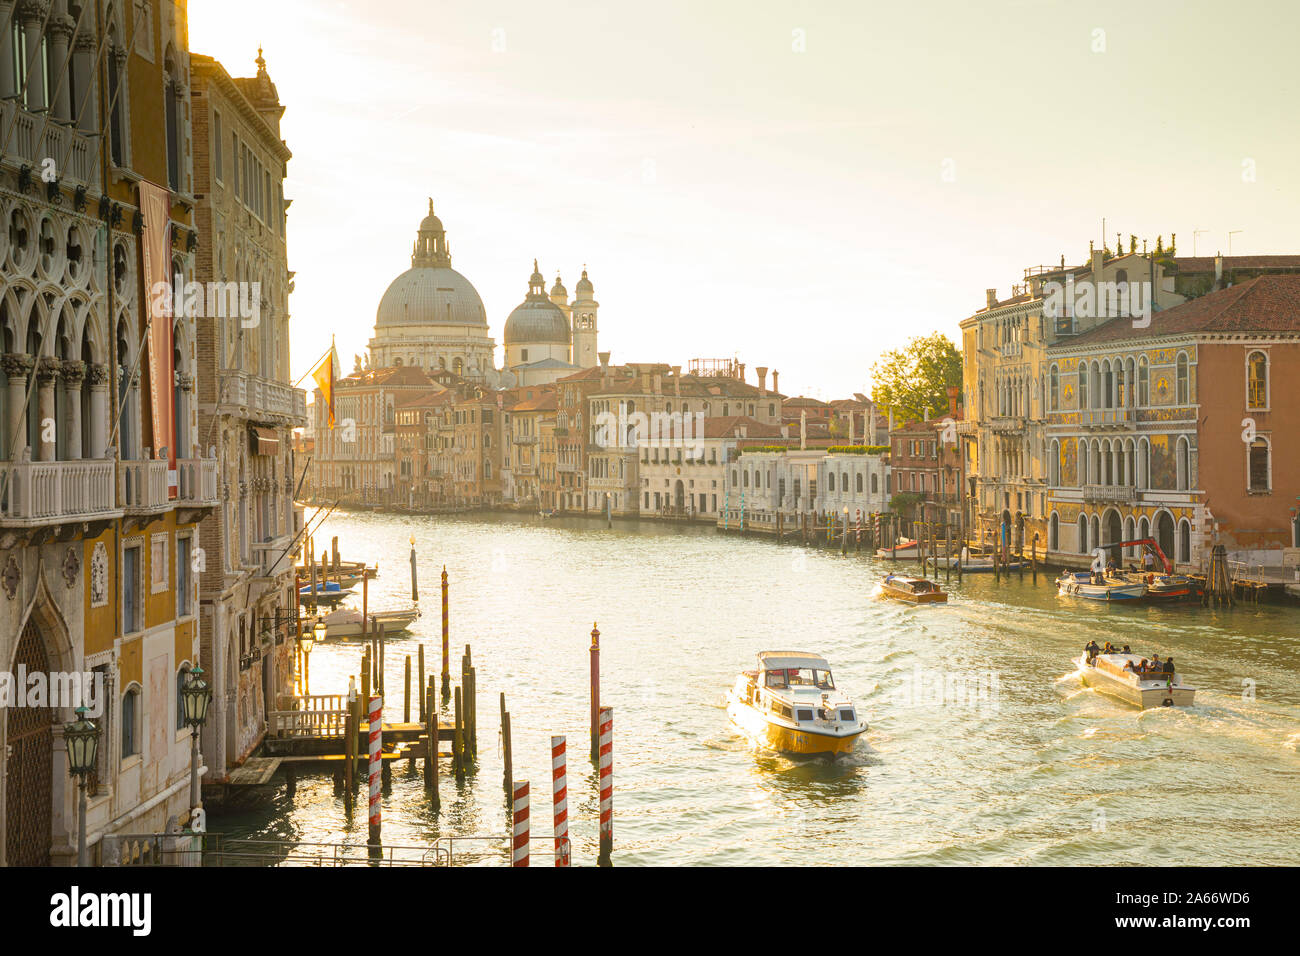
1123 676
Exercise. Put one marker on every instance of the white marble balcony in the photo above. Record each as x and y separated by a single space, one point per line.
34 493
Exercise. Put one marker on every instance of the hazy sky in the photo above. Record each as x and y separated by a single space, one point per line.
734 196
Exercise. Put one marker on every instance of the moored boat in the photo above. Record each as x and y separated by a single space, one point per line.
905 548
1111 675
979 564
327 591
1082 584
346 622
790 703
913 590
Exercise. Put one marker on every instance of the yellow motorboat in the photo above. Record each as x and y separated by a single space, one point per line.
790 703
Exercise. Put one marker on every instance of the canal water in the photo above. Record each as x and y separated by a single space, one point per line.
983 745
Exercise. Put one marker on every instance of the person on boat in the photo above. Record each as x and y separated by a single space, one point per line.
1126 650
1148 558
1156 666
1092 650
1128 666
1142 666
1169 666
1109 648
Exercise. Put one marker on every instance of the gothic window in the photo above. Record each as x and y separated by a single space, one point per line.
1184 390
1257 381
1258 467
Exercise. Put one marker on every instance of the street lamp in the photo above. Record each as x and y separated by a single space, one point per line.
319 631
82 740
195 697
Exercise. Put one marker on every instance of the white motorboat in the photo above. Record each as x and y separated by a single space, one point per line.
346 622
1115 676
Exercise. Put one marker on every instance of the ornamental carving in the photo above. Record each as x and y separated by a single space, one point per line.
9 579
97 374
99 575
71 566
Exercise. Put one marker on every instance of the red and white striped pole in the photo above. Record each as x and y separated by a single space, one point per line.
560 799
376 764
606 786
520 844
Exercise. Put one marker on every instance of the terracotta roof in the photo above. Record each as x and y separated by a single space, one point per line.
545 403
1269 303
801 401
1187 264
727 426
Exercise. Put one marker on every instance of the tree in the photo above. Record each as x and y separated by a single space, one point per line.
910 380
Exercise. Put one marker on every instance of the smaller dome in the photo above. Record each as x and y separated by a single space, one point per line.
584 285
558 288
537 320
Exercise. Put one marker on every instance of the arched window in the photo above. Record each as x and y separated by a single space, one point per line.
1257 381
1183 463
1054 533
131 714
1259 467
875 483
1185 541
1083 534
1054 465
182 676
1184 385
1144 383
859 483
844 481
1083 385
1054 388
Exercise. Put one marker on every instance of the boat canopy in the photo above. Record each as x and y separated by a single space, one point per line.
786 660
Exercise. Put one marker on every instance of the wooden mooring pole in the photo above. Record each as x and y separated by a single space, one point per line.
431 752
446 650
606 780
458 740
505 745
595 691
406 695
422 685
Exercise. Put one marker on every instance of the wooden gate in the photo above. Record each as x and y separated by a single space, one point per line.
30 783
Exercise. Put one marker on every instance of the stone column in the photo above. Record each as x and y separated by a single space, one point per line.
47 370
184 441
74 372
32 16
17 366
61 29
85 98
6 50
97 377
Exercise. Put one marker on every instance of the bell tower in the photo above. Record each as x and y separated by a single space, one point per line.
583 315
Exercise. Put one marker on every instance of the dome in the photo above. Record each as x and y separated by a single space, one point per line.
537 320
584 287
431 295
431 292
558 288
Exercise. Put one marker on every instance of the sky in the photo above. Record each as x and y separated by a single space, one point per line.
799 185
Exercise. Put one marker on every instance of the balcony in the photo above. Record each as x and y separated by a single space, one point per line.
1116 493
197 480
31 139
142 486
264 399
50 492
1105 417
1007 423
274 557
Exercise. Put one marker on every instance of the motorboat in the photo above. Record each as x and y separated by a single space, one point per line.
325 591
913 590
1115 676
1164 588
980 563
790 703
1082 584
346 622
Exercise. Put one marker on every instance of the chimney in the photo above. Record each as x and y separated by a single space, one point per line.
604 369
852 416
990 298
677 380
740 371
1218 270
775 377
952 400
1097 256
803 429
762 378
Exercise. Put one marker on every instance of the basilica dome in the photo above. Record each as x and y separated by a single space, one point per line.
431 292
537 320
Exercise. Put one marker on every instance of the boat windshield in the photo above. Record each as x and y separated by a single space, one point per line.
801 677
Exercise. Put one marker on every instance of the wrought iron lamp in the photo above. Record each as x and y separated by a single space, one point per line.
196 695
82 740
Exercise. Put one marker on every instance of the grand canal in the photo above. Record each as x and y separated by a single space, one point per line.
983 746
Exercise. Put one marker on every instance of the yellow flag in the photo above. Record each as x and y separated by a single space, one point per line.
323 373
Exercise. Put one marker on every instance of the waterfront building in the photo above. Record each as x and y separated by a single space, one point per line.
926 469
478 447
526 420
538 339
99 508
1176 431
415 431
857 480
247 409
571 461
1004 382
764 480
431 316
685 477
356 459
547 458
